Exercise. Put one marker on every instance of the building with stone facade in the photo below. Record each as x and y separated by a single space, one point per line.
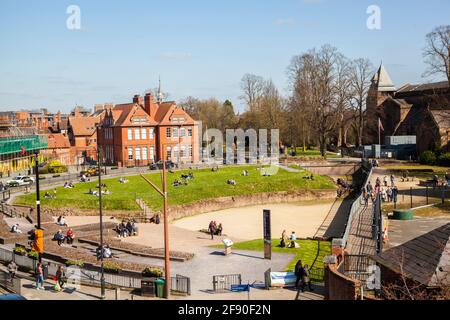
419 110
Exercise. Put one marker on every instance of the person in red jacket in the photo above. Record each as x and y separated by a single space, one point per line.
70 236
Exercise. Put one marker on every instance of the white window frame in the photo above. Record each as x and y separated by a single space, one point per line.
183 132
168 132
183 152
130 134
130 153
144 133
152 133
152 153
175 133
137 134
137 152
144 153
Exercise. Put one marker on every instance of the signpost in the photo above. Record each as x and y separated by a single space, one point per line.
267 235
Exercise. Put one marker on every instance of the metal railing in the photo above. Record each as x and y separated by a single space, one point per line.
359 201
180 285
223 283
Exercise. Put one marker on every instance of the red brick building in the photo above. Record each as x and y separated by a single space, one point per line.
145 131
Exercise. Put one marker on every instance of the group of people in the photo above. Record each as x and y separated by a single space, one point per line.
388 192
69 237
289 242
48 195
84 178
231 182
302 275
344 186
122 180
96 193
126 229
69 185
215 229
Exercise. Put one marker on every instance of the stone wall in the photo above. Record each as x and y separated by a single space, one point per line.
338 286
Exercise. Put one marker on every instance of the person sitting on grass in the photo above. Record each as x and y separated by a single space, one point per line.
70 237
122 180
71 185
284 239
293 238
245 173
231 182
47 195
66 185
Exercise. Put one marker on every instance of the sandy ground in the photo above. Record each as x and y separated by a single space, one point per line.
247 223
80 221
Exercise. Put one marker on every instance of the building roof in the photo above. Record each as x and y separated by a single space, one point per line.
383 80
58 141
425 259
130 115
83 126
424 87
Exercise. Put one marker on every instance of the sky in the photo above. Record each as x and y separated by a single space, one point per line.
199 48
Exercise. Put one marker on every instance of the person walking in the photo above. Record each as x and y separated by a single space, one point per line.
306 279
298 272
60 278
12 269
369 188
211 229
39 277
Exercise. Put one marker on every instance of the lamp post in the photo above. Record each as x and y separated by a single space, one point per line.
163 193
100 198
38 199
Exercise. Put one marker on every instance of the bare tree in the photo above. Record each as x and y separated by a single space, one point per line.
343 93
437 52
252 87
361 74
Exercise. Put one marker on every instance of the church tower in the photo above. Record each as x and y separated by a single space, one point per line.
380 90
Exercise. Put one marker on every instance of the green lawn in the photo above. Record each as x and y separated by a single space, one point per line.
307 252
206 185
414 169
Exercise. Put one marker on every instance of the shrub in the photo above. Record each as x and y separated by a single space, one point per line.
444 159
112 267
33 254
20 251
152 272
78 263
428 157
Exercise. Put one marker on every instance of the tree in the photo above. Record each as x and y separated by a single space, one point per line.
316 90
437 52
252 87
361 74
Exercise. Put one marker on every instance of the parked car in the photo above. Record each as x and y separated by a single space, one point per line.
20 181
11 297
159 165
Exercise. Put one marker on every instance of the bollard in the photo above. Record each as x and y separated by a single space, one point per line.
117 291
410 194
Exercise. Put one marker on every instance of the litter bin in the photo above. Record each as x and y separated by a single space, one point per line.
148 288
160 283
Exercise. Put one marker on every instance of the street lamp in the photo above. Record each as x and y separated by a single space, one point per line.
100 198
163 193
38 200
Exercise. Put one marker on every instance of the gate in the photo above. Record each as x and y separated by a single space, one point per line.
180 285
224 282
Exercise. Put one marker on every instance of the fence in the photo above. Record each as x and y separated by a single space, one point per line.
223 283
10 211
5 195
316 275
418 196
179 284
366 172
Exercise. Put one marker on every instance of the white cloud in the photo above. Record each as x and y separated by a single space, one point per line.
284 22
176 55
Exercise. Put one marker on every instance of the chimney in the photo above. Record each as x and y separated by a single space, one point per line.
137 99
149 104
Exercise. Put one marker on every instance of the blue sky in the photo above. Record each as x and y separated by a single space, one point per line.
200 48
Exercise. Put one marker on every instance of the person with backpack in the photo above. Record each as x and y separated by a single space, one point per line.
306 279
